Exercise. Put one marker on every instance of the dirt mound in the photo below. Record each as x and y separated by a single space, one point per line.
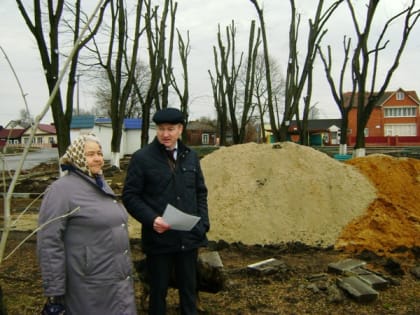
266 194
392 221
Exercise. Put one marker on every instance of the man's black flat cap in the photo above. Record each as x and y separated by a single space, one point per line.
169 116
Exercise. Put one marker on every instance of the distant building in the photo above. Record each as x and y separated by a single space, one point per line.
320 131
199 133
81 124
102 128
397 114
12 137
131 135
394 121
45 136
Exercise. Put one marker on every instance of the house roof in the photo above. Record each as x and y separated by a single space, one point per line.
82 122
198 125
11 133
383 99
102 120
47 128
132 123
129 123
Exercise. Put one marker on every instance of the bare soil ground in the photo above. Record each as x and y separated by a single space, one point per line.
304 286
288 292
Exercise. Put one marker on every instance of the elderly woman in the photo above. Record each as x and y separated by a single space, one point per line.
83 246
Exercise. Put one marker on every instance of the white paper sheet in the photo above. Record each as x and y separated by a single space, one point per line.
179 220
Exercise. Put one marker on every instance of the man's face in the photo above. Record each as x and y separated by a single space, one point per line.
168 134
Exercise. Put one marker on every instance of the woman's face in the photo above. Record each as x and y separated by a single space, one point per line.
94 157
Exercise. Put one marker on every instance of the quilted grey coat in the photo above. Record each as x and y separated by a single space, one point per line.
86 256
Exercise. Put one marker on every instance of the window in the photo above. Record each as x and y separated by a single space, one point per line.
399 96
400 130
205 138
400 112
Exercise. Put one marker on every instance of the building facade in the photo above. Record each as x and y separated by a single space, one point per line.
396 115
45 136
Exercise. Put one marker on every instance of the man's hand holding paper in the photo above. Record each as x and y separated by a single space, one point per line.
179 220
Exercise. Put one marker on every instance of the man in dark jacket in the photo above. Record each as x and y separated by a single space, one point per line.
168 172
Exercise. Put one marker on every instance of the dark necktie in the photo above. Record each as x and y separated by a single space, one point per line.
171 154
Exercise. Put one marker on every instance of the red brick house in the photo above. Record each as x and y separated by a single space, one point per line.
200 133
394 121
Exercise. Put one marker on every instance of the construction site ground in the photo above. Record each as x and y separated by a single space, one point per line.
384 235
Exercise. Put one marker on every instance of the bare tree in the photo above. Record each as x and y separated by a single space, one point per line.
344 101
120 65
270 101
50 57
183 93
133 108
7 199
25 118
366 60
141 83
249 84
224 81
225 84
296 79
260 91
138 90
160 69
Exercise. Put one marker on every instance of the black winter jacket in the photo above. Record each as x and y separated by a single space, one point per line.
152 182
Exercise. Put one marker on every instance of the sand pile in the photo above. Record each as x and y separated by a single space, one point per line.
392 221
260 194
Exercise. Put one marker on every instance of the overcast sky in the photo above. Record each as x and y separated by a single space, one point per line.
201 18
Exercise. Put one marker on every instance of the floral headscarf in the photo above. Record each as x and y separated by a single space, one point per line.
75 153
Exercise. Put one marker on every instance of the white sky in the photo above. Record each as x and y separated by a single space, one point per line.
201 18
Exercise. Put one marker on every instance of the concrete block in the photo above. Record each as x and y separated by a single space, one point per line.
358 289
268 266
345 265
375 281
211 258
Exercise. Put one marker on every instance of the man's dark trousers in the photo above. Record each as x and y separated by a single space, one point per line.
160 268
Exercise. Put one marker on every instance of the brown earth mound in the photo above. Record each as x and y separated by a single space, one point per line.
392 221
268 194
